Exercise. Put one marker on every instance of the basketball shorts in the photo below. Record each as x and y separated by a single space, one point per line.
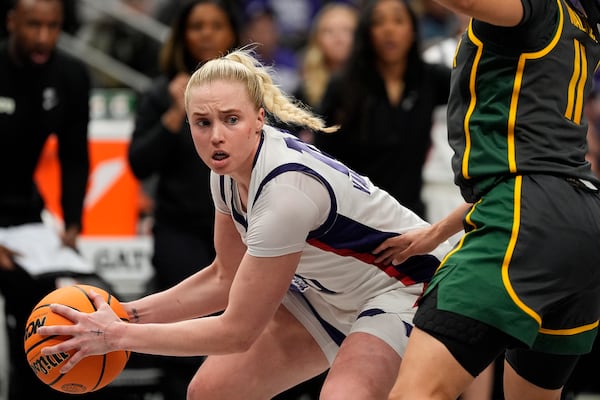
476 345
528 264
387 316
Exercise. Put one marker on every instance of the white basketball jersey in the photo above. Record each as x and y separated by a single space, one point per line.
337 261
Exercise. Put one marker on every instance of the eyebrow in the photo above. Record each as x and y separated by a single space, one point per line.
226 111
230 111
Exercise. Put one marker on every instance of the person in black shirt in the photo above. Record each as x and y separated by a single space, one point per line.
42 92
384 101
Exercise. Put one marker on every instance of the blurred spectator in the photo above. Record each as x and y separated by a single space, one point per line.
384 100
42 92
70 16
292 17
327 50
261 28
161 148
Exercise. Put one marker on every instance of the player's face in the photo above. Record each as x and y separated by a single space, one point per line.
225 127
208 32
34 26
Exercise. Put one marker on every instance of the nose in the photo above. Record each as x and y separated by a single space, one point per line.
207 32
45 36
216 134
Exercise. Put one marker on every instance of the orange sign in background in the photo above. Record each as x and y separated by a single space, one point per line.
113 197
113 194
110 238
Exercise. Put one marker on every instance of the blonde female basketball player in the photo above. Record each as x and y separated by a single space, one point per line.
294 273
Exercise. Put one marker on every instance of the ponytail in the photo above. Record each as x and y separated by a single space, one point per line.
242 66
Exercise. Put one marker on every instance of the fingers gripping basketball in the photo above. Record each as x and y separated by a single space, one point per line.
92 372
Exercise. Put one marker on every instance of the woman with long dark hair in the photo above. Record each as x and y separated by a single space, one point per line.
384 101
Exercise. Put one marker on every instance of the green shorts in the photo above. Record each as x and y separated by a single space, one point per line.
529 263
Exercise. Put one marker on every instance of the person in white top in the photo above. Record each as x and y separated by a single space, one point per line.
295 274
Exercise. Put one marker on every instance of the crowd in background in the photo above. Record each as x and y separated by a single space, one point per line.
282 27
338 57
307 41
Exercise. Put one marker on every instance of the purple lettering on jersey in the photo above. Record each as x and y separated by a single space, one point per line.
358 181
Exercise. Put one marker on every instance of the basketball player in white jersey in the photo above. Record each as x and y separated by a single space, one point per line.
295 273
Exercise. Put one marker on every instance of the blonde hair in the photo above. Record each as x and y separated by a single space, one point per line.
315 70
242 66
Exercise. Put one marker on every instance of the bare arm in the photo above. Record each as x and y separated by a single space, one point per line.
398 249
496 12
201 294
256 292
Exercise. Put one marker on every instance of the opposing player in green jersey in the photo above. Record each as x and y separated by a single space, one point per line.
525 277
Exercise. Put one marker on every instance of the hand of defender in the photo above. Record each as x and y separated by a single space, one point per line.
398 249
88 333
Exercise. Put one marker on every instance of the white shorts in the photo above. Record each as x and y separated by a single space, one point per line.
387 316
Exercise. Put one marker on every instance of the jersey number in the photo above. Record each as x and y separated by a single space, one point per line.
358 181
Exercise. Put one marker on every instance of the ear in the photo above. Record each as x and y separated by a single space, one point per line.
260 119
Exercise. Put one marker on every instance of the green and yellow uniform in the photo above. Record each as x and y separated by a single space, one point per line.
529 263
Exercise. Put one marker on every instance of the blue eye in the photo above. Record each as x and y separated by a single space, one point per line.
232 120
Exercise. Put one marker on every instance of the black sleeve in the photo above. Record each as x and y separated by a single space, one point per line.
537 14
73 148
150 142
535 31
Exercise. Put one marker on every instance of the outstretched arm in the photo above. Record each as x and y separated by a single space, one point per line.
399 248
203 293
255 294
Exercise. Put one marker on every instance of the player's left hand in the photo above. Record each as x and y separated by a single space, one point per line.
89 332
398 249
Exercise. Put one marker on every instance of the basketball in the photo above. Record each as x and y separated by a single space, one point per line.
92 372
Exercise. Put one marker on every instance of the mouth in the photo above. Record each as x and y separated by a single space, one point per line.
390 45
39 56
219 155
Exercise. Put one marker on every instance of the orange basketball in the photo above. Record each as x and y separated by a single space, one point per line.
89 374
